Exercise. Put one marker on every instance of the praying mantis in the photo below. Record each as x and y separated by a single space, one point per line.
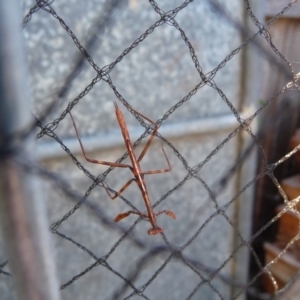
135 168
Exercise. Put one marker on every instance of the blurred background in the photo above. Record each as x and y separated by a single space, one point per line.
220 79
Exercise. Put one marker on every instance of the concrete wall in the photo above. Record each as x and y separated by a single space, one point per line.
153 77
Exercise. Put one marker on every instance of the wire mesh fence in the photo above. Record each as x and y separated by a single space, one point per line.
196 256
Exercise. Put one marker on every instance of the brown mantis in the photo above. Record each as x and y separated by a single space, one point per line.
135 169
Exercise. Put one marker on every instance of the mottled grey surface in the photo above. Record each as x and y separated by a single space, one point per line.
154 76
191 204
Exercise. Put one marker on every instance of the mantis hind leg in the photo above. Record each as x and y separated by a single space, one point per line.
167 212
112 197
124 215
151 231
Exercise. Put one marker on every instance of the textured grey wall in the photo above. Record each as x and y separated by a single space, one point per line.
153 77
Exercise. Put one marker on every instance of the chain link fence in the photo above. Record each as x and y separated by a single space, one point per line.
130 263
